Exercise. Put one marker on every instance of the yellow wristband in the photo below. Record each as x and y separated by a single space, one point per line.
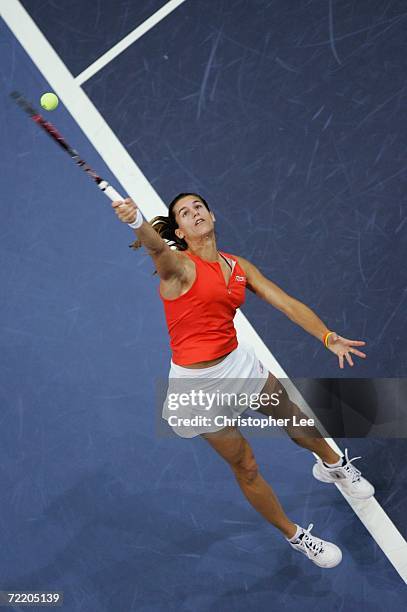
326 336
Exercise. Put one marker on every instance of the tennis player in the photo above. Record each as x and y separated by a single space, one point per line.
201 288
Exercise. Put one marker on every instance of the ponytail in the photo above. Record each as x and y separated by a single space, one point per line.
165 227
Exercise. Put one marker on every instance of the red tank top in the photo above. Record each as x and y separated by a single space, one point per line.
200 322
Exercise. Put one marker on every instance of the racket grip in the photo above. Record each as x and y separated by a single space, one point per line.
109 191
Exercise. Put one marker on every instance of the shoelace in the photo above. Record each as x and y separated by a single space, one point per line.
353 472
314 545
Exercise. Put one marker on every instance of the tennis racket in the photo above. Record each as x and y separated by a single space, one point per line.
51 130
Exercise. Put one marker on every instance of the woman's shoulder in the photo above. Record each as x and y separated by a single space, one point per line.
189 263
174 288
187 257
240 260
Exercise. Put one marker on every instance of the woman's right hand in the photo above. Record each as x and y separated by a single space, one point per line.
126 210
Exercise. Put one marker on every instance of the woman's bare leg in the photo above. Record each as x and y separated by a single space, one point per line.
307 437
235 449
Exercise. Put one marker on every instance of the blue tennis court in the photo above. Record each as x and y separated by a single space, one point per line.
288 117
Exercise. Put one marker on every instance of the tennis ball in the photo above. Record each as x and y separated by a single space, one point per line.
49 101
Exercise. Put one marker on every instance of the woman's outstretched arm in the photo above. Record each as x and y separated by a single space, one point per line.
299 313
169 264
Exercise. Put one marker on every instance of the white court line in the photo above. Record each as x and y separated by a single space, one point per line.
137 186
127 41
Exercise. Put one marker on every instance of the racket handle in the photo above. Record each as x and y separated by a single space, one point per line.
115 196
110 191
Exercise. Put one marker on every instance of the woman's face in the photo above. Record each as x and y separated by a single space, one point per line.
194 220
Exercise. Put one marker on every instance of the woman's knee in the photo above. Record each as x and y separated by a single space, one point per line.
244 464
236 451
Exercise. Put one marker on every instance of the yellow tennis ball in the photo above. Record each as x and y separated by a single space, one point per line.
49 101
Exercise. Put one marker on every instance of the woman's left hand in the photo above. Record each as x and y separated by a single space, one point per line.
343 347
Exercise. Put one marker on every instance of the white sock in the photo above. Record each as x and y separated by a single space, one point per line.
297 533
332 465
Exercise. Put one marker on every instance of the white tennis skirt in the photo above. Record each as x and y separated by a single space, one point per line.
202 400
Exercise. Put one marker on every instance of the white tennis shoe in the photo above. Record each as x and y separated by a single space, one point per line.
322 553
347 477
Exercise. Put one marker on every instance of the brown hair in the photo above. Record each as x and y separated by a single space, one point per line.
166 226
